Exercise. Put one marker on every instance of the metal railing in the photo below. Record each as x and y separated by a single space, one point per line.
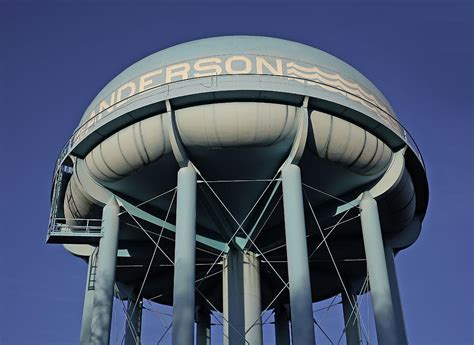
90 125
75 226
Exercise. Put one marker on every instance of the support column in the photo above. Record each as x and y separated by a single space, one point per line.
203 326
297 253
384 312
133 323
233 298
242 298
252 299
351 319
105 275
185 258
86 323
282 331
397 304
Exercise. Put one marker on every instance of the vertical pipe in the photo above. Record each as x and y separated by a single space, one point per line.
282 332
297 253
233 298
86 323
203 326
252 299
133 322
185 258
225 301
384 312
105 275
397 305
351 319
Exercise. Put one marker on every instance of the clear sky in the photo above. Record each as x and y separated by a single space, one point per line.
55 57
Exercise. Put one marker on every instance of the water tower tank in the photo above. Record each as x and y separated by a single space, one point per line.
235 175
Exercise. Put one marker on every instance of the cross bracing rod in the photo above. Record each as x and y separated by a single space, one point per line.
325 242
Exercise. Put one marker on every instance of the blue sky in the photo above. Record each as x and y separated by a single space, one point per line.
55 57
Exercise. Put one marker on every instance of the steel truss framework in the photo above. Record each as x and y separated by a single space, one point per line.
355 329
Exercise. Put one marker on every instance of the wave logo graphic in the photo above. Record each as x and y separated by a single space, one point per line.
334 82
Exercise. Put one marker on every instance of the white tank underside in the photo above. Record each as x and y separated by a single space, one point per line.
239 141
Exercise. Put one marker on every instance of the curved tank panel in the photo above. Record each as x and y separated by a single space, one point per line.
238 119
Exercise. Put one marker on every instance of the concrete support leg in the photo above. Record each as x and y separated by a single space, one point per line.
86 323
351 319
105 275
397 304
233 298
185 258
203 326
252 299
297 253
133 323
242 299
384 312
282 331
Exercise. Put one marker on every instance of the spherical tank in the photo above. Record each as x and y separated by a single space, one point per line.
237 110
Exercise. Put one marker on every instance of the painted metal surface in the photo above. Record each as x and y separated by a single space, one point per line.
105 276
351 319
86 321
297 256
230 109
389 331
203 326
282 327
185 259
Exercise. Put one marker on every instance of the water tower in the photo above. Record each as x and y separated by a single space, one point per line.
235 175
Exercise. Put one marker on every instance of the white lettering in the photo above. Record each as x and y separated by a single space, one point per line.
120 98
278 70
178 70
107 106
247 64
145 80
214 68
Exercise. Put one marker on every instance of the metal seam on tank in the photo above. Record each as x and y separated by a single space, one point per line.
288 126
328 141
361 151
164 134
88 161
107 164
77 198
80 188
258 123
68 200
121 151
348 140
371 164
137 144
373 156
376 166
283 129
143 143
73 205
92 155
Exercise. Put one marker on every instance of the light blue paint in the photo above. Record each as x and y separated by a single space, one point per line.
185 258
